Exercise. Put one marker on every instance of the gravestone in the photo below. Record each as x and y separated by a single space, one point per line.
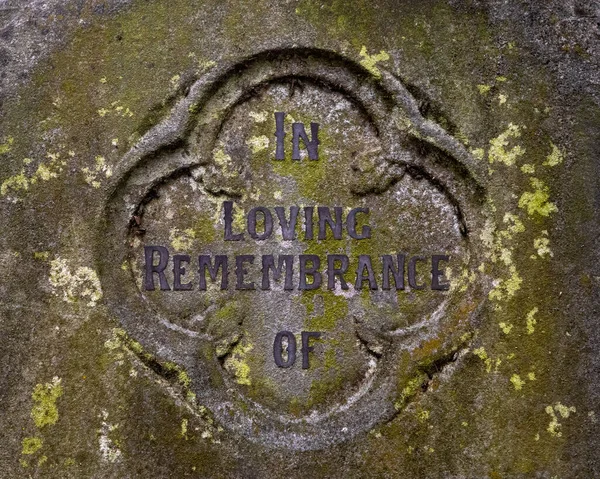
312 239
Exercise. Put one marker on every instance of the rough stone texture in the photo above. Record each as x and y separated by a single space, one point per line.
469 127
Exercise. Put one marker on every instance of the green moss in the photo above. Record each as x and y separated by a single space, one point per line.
335 308
338 19
45 396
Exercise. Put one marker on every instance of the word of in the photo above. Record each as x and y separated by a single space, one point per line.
278 348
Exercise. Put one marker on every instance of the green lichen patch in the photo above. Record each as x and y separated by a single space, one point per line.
44 172
6 146
499 152
45 397
536 202
31 445
554 427
555 158
369 61
81 283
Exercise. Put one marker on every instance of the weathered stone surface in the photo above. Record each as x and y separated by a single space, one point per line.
468 129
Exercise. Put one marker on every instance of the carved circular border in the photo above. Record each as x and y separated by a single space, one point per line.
194 124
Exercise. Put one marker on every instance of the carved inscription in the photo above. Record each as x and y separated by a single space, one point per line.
293 272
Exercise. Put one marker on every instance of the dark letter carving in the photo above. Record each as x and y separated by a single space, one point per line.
150 268
240 271
306 335
325 218
280 134
205 265
312 271
388 266
351 224
179 271
229 236
252 223
278 349
412 272
268 263
364 262
333 271
435 272
312 146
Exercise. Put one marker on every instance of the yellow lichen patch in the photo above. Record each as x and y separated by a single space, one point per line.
41 255
6 146
505 327
100 167
116 109
45 171
478 153
499 250
528 169
82 284
423 415
501 79
517 382
555 157
489 362
536 202
44 396
502 99
259 116
184 429
483 89
411 388
174 81
531 321
16 182
531 376
31 445
227 167
205 65
236 363
182 240
258 143
498 151
184 379
369 61
542 245
563 411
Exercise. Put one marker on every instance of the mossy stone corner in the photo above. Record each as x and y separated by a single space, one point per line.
319 239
